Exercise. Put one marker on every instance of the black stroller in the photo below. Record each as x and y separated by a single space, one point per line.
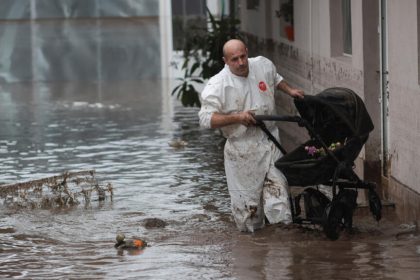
338 125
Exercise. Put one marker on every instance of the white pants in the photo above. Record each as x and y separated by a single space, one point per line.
269 199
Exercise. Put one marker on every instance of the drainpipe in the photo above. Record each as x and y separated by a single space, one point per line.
384 84
311 47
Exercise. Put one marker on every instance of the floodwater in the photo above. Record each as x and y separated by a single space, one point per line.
122 130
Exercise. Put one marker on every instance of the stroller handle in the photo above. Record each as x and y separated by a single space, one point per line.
278 118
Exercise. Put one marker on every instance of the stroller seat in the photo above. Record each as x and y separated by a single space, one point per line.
338 125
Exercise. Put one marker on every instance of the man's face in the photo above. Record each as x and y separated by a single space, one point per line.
237 60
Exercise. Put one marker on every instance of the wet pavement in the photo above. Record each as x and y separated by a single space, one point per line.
122 129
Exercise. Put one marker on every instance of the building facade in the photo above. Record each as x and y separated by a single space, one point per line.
371 47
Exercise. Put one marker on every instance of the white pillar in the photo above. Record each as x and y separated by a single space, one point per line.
166 50
166 43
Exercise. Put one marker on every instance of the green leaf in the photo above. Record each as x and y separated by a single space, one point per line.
200 81
194 67
185 64
175 89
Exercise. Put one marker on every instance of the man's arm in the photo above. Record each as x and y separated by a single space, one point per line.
219 120
293 92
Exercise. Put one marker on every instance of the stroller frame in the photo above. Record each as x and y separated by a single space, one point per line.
337 213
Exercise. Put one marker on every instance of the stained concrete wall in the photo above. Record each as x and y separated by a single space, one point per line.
372 89
404 92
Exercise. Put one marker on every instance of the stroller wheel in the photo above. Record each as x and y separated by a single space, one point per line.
375 204
333 219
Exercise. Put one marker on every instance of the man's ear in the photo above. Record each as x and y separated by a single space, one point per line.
224 59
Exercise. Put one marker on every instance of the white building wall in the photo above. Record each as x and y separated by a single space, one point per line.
404 93
253 21
313 63
306 62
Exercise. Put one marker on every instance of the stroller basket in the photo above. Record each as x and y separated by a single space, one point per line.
304 169
338 125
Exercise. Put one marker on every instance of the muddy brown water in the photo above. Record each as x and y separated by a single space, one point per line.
125 139
175 198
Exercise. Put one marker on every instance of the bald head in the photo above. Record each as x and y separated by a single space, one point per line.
232 45
235 55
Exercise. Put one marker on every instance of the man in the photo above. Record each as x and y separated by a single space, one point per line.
230 99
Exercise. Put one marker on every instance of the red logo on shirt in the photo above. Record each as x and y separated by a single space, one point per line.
262 86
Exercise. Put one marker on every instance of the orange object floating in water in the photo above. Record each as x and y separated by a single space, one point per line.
130 243
138 243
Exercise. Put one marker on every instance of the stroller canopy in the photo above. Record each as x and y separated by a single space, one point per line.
336 112
334 115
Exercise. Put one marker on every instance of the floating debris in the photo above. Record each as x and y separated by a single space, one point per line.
408 230
154 223
65 190
129 244
178 143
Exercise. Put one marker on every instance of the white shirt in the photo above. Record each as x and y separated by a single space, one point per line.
248 152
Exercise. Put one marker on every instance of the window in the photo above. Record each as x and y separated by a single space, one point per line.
285 14
252 4
346 11
187 16
341 39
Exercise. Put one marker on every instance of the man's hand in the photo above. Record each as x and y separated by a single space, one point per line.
296 93
245 118
293 92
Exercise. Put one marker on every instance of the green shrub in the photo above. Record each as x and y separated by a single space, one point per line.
203 55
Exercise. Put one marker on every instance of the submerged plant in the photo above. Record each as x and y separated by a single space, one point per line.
60 191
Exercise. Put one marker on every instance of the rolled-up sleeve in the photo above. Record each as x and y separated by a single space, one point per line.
278 79
271 70
210 103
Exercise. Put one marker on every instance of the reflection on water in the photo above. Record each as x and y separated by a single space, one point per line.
123 134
